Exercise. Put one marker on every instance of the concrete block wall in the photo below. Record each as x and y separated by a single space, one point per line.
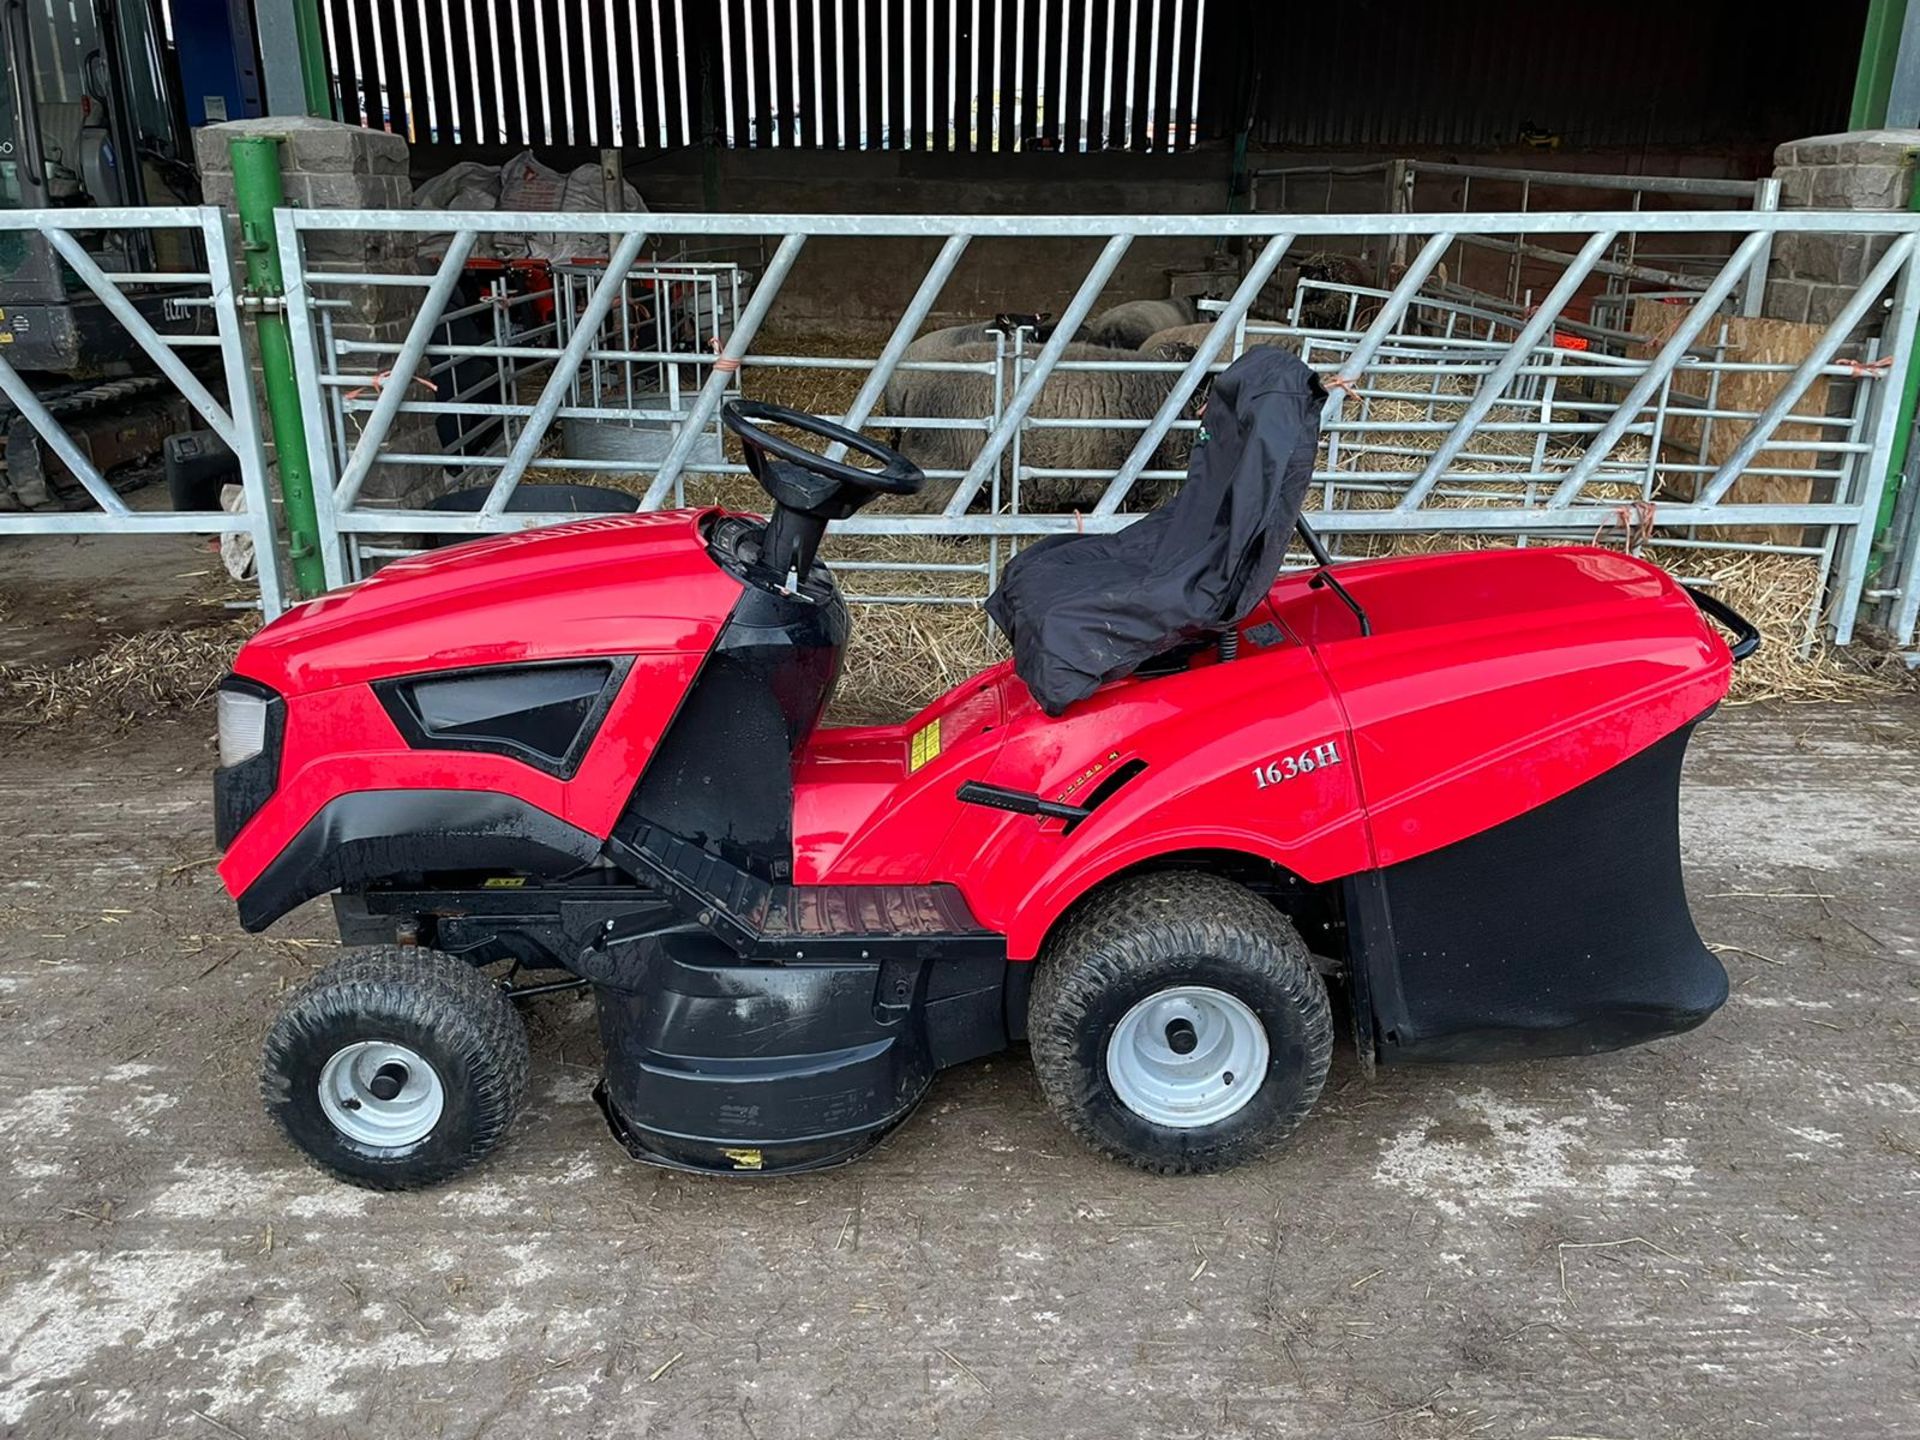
326 165
1811 277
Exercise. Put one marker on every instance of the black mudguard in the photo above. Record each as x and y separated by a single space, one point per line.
373 835
1564 931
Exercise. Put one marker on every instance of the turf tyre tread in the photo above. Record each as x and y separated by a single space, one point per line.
441 1005
1140 930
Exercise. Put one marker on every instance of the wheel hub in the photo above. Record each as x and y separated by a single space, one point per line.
381 1094
1187 1056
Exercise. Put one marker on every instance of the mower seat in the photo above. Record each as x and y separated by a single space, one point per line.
1081 610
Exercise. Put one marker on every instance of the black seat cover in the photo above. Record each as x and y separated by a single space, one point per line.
1085 609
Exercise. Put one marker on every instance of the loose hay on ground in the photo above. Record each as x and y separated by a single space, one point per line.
805 388
133 677
902 657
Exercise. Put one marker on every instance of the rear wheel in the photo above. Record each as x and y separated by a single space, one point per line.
396 1067
1177 1024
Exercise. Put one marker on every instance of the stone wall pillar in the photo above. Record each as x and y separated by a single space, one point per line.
327 165
1811 277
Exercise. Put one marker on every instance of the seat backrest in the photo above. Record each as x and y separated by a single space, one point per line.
1081 610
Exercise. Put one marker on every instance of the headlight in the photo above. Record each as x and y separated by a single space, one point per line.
243 725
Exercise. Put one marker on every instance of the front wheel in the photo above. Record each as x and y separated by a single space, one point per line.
395 1067
1177 1024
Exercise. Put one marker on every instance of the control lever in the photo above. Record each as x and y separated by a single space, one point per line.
1020 802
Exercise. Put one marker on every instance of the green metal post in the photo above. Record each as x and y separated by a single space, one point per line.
257 194
313 59
1879 47
1902 429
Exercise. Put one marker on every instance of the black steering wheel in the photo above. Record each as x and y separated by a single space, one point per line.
898 475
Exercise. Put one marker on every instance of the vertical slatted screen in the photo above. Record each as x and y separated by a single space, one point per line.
961 75
972 76
515 72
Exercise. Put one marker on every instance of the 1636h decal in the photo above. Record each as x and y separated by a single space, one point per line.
1282 768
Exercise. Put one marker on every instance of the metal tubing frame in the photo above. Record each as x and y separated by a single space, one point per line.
1851 314
666 225
1591 180
1677 345
1857 547
911 319
707 404
400 376
1494 385
241 430
1225 325
987 462
305 339
1753 293
1619 269
1905 572
248 445
1564 514
1395 304
50 430
1579 522
586 329
143 334
1392 311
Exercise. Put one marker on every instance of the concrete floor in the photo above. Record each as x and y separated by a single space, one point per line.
1709 1237
63 596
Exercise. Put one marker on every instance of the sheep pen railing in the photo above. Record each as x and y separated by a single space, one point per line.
1745 454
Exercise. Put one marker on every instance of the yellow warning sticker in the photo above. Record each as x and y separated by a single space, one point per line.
503 882
745 1159
924 746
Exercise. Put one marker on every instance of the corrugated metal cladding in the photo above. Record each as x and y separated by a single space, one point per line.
1383 74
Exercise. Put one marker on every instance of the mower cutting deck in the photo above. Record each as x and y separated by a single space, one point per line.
596 749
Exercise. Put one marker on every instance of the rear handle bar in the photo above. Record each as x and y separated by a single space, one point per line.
1746 635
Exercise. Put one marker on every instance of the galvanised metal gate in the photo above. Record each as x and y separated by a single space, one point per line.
1525 423
1409 185
220 390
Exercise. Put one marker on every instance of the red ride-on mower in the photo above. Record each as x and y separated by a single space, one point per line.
1197 798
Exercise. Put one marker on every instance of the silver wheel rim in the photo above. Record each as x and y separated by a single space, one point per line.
358 1094
1187 1056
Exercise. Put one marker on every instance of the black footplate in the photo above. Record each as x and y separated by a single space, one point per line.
760 919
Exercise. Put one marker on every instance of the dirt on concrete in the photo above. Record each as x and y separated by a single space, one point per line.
63 596
1708 1237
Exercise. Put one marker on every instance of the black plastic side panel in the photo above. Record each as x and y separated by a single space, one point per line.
1564 931
722 775
390 834
544 714
722 1066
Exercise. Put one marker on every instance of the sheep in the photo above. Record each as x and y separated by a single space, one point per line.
1067 394
1039 327
1182 342
1127 327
